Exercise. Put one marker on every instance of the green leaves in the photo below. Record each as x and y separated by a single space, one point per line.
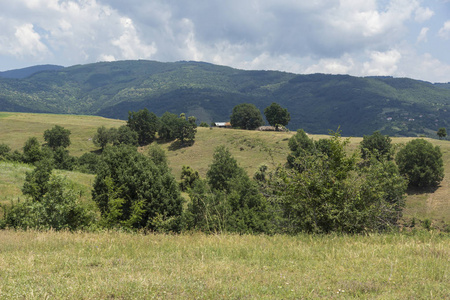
246 116
276 115
422 163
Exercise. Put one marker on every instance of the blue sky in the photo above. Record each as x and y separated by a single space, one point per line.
400 38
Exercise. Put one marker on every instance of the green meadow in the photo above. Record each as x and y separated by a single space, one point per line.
410 264
113 265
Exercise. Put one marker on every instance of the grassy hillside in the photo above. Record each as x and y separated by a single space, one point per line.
250 148
62 265
16 128
317 102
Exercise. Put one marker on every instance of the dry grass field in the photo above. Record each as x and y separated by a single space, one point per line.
113 265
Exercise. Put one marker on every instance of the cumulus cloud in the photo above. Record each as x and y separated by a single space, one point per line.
382 63
444 32
346 36
423 14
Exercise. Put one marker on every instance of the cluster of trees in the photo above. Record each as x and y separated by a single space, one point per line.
322 188
142 127
248 116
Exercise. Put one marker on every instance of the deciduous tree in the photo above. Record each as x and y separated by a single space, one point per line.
246 116
276 115
421 162
56 137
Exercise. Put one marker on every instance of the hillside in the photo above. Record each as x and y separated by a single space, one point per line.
317 103
25 72
250 148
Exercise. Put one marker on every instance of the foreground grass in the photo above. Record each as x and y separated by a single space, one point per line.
41 265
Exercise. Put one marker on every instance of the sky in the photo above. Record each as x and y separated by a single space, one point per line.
400 38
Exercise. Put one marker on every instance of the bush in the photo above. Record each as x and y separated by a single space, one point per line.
57 208
421 163
376 145
32 151
136 191
88 163
188 178
331 193
231 202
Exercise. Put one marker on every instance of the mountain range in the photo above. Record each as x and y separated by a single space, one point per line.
317 102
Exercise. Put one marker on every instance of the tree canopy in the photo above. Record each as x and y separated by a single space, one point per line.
246 116
132 191
377 145
422 163
276 115
56 137
145 123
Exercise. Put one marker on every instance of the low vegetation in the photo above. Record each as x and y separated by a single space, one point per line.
114 265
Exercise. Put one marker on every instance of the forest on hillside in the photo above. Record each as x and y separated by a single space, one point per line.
317 102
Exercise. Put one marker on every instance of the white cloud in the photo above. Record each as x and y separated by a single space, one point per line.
347 36
382 63
444 32
129 43
423 14
423 35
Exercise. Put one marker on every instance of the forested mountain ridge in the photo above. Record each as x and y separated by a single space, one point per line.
317 102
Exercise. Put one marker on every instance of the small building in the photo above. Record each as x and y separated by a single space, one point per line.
222 124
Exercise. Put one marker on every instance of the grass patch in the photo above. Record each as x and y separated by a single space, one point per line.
250 148
110 265
16 128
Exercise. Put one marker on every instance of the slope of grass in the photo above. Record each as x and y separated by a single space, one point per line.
250 148
112 265
12 177
16 128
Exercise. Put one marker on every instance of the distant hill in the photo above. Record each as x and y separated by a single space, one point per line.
317 102
26 72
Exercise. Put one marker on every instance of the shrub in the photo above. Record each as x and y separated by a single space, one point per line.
57 208
231 202
331 193
376 145
149 192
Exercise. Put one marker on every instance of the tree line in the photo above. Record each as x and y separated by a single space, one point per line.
321 188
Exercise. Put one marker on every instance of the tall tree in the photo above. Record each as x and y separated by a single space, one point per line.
56 137
442 133
145 123
246 116
276 115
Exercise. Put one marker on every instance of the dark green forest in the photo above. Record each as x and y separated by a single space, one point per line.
317 103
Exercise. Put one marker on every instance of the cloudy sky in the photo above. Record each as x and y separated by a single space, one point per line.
402 38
